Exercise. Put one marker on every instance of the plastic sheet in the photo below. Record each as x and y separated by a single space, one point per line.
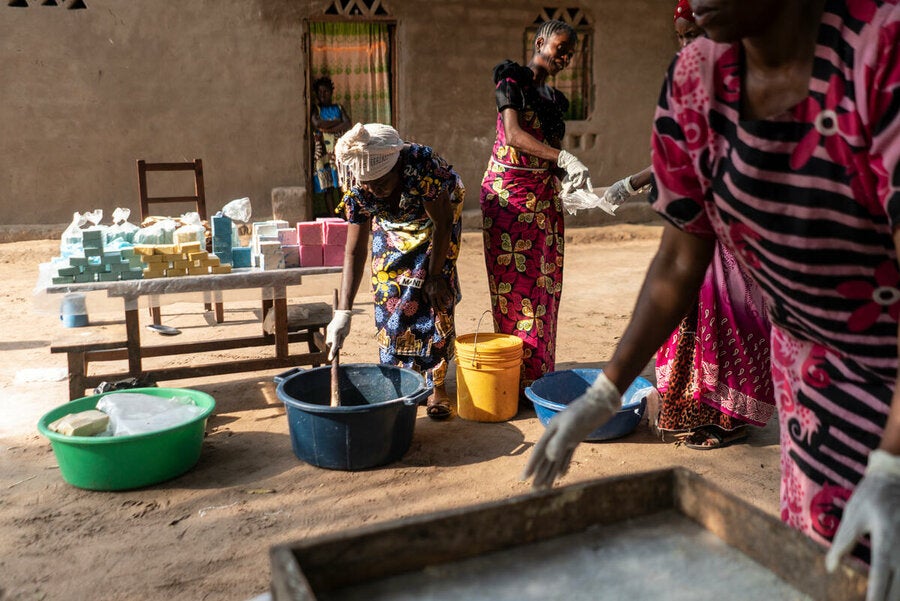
581 199
136 413
242 284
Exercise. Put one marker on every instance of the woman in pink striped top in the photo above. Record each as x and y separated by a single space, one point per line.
778 137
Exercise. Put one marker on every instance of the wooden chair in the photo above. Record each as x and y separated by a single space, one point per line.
198 199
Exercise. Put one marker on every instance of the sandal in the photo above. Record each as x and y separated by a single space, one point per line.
438 408
706 438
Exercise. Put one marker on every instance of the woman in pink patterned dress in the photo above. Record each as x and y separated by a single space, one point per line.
522 217
781 142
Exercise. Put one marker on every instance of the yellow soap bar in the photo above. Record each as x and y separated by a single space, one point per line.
84 423
189 247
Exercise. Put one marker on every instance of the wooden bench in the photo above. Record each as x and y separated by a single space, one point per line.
82 345
108 341
318 316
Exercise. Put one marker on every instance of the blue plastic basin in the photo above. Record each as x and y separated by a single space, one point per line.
374 424
552 393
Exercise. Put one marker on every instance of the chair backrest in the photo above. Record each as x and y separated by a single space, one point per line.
199 197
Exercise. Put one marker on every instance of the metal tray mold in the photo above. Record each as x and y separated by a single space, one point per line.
629 537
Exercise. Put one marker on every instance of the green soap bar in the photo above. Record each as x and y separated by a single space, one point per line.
84 423
78 261
68 271
66 279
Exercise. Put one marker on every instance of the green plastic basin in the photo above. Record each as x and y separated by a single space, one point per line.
133 461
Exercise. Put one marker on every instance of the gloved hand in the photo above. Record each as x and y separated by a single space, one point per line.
576 171
337 331
552 453
619 192
872 510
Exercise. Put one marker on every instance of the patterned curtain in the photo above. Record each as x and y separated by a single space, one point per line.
357 58
574 80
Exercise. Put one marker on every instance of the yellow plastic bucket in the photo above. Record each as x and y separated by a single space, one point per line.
488 368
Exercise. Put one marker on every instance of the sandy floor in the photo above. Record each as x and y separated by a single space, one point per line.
206 534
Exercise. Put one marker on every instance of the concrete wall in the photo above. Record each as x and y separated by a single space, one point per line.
87 92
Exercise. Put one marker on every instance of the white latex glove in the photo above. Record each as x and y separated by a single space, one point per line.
619 192
873 510
576 171
337 331
568 187
552 453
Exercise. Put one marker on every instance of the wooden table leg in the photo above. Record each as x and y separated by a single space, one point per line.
281 328
266 307
133 333
77 370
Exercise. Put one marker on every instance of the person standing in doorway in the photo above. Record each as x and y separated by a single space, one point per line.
329 121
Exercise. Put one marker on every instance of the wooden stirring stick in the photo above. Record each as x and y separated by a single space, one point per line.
335 366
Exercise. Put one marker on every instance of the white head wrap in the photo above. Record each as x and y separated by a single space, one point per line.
366 152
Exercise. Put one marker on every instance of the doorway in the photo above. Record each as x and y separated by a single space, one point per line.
359 58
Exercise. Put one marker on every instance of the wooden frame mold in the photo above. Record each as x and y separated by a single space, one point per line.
302 569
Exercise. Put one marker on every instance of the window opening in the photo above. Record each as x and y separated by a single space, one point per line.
356 8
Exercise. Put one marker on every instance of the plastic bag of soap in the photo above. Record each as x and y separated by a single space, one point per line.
121 229
71 239
192 230
239 211
160 232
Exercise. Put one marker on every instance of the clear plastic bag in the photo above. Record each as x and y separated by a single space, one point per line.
138 413
238 210
71 239
585 199
161 232
192 230
121 230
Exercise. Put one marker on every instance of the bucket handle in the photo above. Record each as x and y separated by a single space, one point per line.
285 375
475 339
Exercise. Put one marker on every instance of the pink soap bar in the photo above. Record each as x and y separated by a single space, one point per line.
335 233
309 233
311 256
288 236
333 255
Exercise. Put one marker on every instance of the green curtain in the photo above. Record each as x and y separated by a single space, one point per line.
356 56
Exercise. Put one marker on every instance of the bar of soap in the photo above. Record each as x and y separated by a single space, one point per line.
84 423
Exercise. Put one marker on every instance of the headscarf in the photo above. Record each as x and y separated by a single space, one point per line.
366 152
683 11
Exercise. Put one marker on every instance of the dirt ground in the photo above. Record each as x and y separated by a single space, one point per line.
206 534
